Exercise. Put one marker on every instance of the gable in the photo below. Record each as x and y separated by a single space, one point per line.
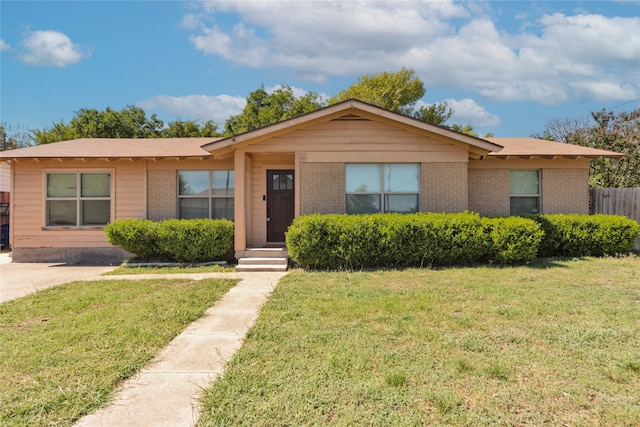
353 126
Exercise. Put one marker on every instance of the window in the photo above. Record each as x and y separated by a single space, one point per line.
205 194
388 187
525 191
78 198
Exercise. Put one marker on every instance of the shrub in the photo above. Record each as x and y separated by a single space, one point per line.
195 240
395 240
134 235
586 235
514 240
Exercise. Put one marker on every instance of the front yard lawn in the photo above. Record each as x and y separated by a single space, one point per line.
64 350
553 343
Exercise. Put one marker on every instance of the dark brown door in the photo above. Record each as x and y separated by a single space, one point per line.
280 197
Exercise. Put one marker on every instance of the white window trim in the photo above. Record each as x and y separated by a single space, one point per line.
209 195
382 193
538 195
78 198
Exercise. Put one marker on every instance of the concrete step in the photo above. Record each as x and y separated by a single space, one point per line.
262 253
263 261
251 268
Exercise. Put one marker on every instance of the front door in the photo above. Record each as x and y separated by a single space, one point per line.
280 203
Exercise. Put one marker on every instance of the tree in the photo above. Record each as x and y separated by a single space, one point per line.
263 109
398 92
606 130
14 136
130 122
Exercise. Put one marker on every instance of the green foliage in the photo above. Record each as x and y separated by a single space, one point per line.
263 109
397 91
606 130
194 240
130 122
586 235
138 236
514 240
396 240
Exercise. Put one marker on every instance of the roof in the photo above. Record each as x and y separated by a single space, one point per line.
114 148
530 147
478 147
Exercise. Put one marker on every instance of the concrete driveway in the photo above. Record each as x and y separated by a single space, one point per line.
20 279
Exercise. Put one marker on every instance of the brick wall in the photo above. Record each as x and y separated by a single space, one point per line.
162 198
322 188
443 187
565 191
489 191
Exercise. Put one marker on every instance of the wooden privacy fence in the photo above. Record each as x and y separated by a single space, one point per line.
617 201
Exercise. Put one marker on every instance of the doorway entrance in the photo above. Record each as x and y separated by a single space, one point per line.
280 203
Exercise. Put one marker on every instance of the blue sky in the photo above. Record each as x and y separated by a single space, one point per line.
505 67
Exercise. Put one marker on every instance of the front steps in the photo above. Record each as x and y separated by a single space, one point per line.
262 259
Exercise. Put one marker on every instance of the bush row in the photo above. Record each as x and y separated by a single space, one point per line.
396 240
179 240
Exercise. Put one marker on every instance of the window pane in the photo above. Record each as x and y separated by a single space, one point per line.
95 184
61 185
401 178
363 178
223 208
223 183
524 182
402 203
193 208
96 212
524 205
363 203
193 182
61 212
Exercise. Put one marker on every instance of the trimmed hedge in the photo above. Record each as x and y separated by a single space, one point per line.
422 239
571 235
180 240
413 240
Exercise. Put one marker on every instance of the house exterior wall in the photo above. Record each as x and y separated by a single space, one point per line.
33 241
564 185
322 188
162 194
443 187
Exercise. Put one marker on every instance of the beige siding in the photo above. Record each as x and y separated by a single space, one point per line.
322 188
443 187
28 222
489 191
565 191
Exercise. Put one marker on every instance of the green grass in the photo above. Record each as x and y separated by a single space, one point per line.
64 350
122 270
554 343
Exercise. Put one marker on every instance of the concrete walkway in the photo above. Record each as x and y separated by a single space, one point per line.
167 391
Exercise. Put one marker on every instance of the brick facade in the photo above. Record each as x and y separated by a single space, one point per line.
565 191
322 188
443 187
162 194
489 191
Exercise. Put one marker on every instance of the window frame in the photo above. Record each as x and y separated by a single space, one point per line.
78 198
537 195
210 196
383 193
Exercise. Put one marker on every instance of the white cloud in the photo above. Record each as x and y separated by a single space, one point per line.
468 111
196 107
4 46
550 60
51 48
